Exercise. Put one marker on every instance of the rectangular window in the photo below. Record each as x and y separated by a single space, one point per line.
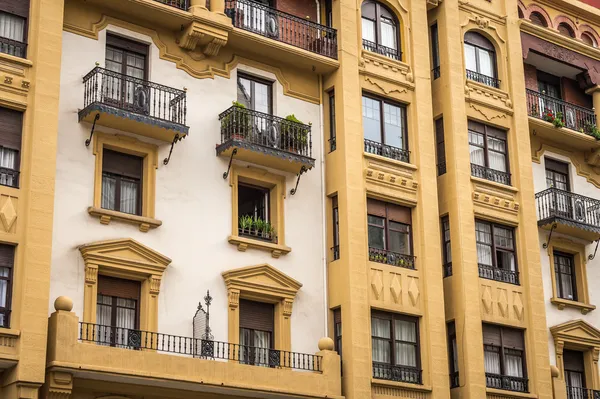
13 27
332 143
504 358
575 375
337 330
336 228
11 125
254 212
496 252
564 271
257 327
435 50
117 310
440 146
446 247
557 174
452 354
7 260
390 237
384 127
121 182
489 153
255 94
395 347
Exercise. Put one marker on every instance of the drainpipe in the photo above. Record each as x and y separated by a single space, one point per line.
323 205
319 21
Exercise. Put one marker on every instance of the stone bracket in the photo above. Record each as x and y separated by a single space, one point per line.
208 38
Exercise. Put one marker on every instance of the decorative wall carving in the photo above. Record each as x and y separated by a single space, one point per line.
502 302
489 97
393 179
488 114
395 288
399 392
386 69
383 87
494 199
8 213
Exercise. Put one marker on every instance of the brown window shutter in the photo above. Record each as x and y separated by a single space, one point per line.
126 44
556 166
491 335
17 7
478 40
7 255
122 164
257 315
337 316
495 132
397 213
11 125
375 207
112 286
476 126
513 338
573 360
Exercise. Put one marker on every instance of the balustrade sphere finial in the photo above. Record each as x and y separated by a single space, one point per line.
63 303
325 344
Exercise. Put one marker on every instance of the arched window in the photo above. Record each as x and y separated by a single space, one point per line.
480 59
380 31
589 39
566 30
537 19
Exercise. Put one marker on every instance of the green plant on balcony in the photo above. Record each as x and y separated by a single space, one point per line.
237 123
294 134
556 119
591 129
245 224
256 227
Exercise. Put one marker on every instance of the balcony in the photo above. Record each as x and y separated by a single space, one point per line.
265 139
392 258
134 105
582 393
13 47
569 213
385 371
180 4
88 350
507 383
502 275
388 151
383 50
483 79
268 22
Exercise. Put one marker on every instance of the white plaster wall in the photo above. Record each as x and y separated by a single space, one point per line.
192 200
554 316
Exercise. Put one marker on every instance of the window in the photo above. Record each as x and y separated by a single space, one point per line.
566 30
117 310
538 19
255 94
13 27
380 30
390 239
395 347
452 354
329 13
384 126
11 125
121 182
504 358
558 201
332 143
489 153
564 269
557 174
549 85
7 260
254 212
337 330
336 228
480 59
496 252
446 247
589 40
256 333
440 146
435 50
575 374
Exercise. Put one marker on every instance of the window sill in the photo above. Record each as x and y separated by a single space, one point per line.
509 394
106 216
16 60
561 303
391 161
9 332
492 183
243 243
398 384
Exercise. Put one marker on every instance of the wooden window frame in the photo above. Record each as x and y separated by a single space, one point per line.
21 9
253 80
440 146
119 178
495 247
445 225
251 346
332 124
403 116
548 167
378 6
486 133
11 142
7 310
502 349
387 229
129 46
559 274
491 49
392 340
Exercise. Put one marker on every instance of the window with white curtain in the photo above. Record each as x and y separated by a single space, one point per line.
117 311
380 32
11 125
121 182
12 34
489 152
504 356
480 59
257 327
564 269
496 253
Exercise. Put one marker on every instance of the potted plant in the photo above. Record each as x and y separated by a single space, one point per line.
555 119
236 124
245 224
294 134
592 130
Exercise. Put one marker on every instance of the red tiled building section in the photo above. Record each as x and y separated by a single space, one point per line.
299 8
595 3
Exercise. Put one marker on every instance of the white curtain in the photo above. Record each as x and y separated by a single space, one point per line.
368 30
381 348
406 354
484 236
496 154
4 272
8 159
470 58
492 362
486 62
125 319
262 343
103 318
388 33
575 380
129 196
514 365
108 192
12 27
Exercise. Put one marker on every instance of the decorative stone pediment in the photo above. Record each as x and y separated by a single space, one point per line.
261 280
577 331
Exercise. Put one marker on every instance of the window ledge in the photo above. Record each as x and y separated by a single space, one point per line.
106 216
561 303
499 186
16 60
510 394
390 161
243 243
10 332
398 384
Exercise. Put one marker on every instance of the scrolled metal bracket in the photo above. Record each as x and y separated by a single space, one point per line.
592 256
225 174
302 171
545 245
175 140
88 141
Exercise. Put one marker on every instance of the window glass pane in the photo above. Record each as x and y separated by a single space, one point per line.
392 118
3 293
483 232
388 33
399 242
8 157
261 100
406 355
368 30
381 351
104 310
405 331
108 191
371 119
497 161
376 237
492 362
514 364
244 92
505 260
129 196
503 237
477 155
380 328
470 60
12 27
486 62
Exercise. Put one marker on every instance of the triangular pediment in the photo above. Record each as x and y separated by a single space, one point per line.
262 278
577 331
123 251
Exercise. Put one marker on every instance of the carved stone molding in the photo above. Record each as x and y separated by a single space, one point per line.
495 99
209 38
91 274
154 284
502 304
495 198
234 298
386 73
389 178
395 288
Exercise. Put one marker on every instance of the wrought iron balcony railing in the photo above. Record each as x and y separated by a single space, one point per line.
490 174
508 383
568 208
201 348
548 108
484 79
392 258
268 131
9 177
391 372
582 393
278 25
454 381
494 273
13 47
388 151
383 50
124 93
181 4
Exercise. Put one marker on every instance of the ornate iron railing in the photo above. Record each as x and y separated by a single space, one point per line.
553 204
9 177
383 50
547 108
388 151
181 4
490 174
138 96
257 234
336 252
13 47
484 79
391 372
494 273
508 383
203 348
436 72
281 26
447 269
266 130
454 380
392 258
582 393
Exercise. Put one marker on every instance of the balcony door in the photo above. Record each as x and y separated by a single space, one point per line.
575 374
256 95
557 177
257 327
257 16
117 312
